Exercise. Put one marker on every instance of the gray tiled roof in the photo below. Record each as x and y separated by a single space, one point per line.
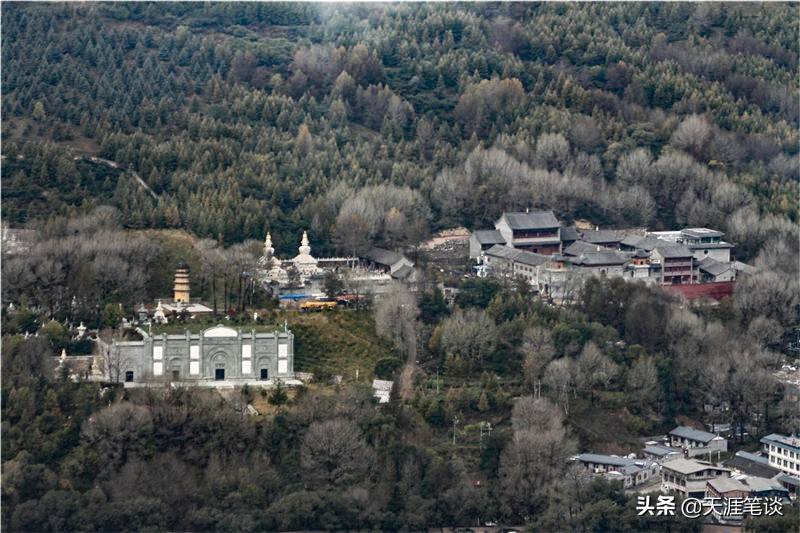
403 272
489 236
727 484
518 256
752 464
689 466
761 484
674 250
713 266
789 480
648 243
660 451
532 220
692 434
569 233
601 236
600 459
783 440
383 257
744 267
601 258
581 247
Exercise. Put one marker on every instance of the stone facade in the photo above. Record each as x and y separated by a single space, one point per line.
219 355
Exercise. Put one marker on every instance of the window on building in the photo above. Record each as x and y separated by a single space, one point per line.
129 376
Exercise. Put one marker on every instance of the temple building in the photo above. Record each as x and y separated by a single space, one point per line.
181 300
218 356
307 266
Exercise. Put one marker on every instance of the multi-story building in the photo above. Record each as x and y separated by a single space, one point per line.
783 453
534 231
675 265
688 477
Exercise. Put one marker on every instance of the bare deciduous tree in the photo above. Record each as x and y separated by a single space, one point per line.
396 313
334 453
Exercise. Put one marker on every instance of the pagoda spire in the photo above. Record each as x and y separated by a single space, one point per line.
304 249
268 249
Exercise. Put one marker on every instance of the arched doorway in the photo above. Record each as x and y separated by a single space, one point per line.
219 366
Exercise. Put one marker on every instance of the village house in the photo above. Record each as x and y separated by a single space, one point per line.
386 261
504 261
741 488
630 471
713 271
688 477
696 442
482 240
659 453
751 464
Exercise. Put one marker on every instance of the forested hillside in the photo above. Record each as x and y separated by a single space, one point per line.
139 134
353 121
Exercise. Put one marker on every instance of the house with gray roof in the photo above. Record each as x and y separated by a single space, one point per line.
605 237
483 239
534 231
504 261
386 260
675 264
569 234
689 477
581 247
630 471
696 442
741 487
713 271
751 464
659 453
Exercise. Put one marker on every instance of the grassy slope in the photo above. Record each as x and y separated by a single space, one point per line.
336 342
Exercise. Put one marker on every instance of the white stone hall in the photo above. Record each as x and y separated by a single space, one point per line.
218 356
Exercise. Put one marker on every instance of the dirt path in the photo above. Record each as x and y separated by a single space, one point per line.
406 385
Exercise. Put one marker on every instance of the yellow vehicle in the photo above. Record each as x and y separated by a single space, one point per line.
317 305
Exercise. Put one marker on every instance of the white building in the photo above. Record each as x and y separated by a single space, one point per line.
783 453
688 477
218 356
703 242
695 442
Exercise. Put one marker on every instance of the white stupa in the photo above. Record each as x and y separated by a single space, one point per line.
305 263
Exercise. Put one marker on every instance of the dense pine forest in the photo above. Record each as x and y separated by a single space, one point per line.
247 117
138 134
